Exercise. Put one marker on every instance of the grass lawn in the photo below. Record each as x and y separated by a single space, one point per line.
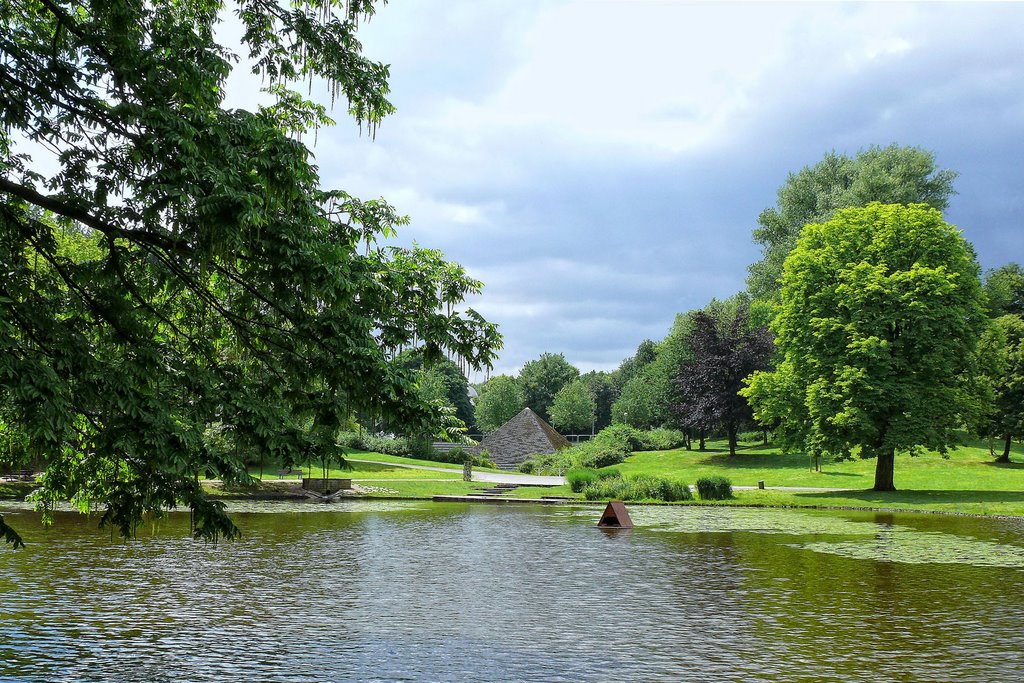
969 468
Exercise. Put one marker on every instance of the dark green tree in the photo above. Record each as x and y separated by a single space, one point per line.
880 315
890 175
631 367
226 285
1004 288
602 388
541 379
1004 344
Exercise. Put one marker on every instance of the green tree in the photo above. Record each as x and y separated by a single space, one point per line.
501 399
442 380
631 367
226 285
1004 288
1005 346
890 175
880 315
574 410
541 379
602 388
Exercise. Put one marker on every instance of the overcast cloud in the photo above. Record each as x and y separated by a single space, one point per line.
600 165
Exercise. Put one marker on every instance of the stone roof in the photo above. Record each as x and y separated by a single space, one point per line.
524 434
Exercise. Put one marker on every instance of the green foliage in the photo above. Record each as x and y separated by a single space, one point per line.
1002 352
890 175
500 400
580 478
638 488
541 379
629 368
183 267
441 380
602 388
880 314
714 488
573 411
609 447
1004 289
662 439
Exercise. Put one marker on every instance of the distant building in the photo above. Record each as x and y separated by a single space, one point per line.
523 435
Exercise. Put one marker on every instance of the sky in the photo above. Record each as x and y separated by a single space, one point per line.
600 165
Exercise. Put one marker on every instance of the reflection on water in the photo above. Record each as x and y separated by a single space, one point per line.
417 591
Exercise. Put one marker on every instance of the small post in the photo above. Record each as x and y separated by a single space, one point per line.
760 484
467 470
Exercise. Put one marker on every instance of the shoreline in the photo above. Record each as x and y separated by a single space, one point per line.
295 497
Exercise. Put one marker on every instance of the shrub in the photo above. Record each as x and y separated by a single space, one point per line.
714 488
610 473
662 439
526 467
619 437
350 440
579 479
641 487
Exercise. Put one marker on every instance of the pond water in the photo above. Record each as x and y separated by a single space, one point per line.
362 591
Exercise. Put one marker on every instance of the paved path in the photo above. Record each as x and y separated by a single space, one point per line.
492 477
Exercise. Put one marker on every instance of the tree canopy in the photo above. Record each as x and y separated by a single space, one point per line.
890 175
501 399
724 350
574 410
1005 346
541 379
876 334
172 265
1004 287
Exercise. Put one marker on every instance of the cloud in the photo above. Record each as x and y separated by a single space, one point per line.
600 165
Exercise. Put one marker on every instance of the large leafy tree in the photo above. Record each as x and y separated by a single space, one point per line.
877 330
223 285
890 175
501 399
724 349
574 410
541 379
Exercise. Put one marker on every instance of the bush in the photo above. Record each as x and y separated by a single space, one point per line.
610 473
579 479
526 467
662 439
714 488
619 437
641 487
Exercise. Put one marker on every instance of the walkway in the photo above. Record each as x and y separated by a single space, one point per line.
492 477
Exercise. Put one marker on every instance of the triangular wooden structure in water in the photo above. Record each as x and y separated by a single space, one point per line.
615 516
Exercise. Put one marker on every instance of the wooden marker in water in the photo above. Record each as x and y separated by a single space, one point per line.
615 516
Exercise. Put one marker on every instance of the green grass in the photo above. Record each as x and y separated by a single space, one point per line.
969 468
270 471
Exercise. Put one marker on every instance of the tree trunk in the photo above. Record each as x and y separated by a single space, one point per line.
732 440
701 438
764 433
1005 457
884 467
686 439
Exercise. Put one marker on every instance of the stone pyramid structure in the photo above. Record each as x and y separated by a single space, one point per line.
523 435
